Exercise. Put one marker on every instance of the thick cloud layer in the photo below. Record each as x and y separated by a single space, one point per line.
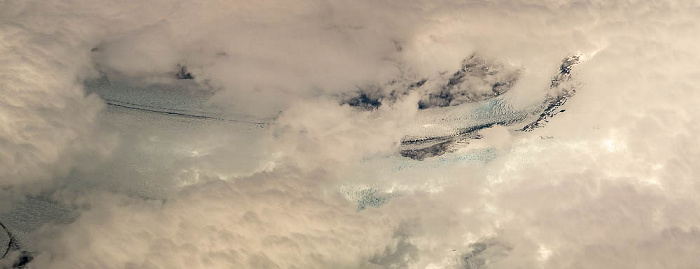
258 159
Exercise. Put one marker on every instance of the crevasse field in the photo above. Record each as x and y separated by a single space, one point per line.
350 134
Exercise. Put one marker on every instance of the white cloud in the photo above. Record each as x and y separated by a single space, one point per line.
267 221
610 183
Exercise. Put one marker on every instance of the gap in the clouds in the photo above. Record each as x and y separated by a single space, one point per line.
485 251
187 99
475 97
454 108
430 150
19 224
477 79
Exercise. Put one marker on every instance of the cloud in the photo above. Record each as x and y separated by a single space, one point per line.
266 221
609 183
